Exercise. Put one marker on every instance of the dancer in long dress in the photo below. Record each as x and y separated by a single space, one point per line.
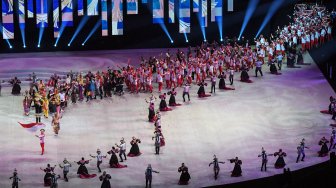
82 170
236 172
222 84
273 68
151 113
185 176
16 90
99 158
172 100
280 162
215 164
47 177
105 179
66 168
324 147
201 90
16 179
114 163
135 151
244 77
26 105
163 103
151 108
148 174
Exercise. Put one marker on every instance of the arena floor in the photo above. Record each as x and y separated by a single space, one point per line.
272 112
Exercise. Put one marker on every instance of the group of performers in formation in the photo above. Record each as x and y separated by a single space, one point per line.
311 27
50 177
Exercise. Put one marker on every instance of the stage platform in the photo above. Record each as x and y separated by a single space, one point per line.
272 112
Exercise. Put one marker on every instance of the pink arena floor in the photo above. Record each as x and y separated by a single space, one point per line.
273 112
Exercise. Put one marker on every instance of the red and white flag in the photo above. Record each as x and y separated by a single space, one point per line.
32 127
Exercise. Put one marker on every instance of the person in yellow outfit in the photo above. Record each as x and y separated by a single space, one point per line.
58 103
45 106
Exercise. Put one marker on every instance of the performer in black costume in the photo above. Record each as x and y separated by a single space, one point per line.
163 103
151 108
280 162
185 176
105 179
244 77
16 179
172 100
216 168
114 162
273 67
236 172
82 170
16 90
324 147
47 177
135 151
201 90
221 84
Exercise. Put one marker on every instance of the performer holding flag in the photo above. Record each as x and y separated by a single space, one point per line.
41 137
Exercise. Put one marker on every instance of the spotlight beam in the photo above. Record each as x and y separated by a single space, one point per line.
220 28
63 26
274 7
40 36
186 37
79 28
9 44
164 28
250 9
202 25
22 29
92 31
